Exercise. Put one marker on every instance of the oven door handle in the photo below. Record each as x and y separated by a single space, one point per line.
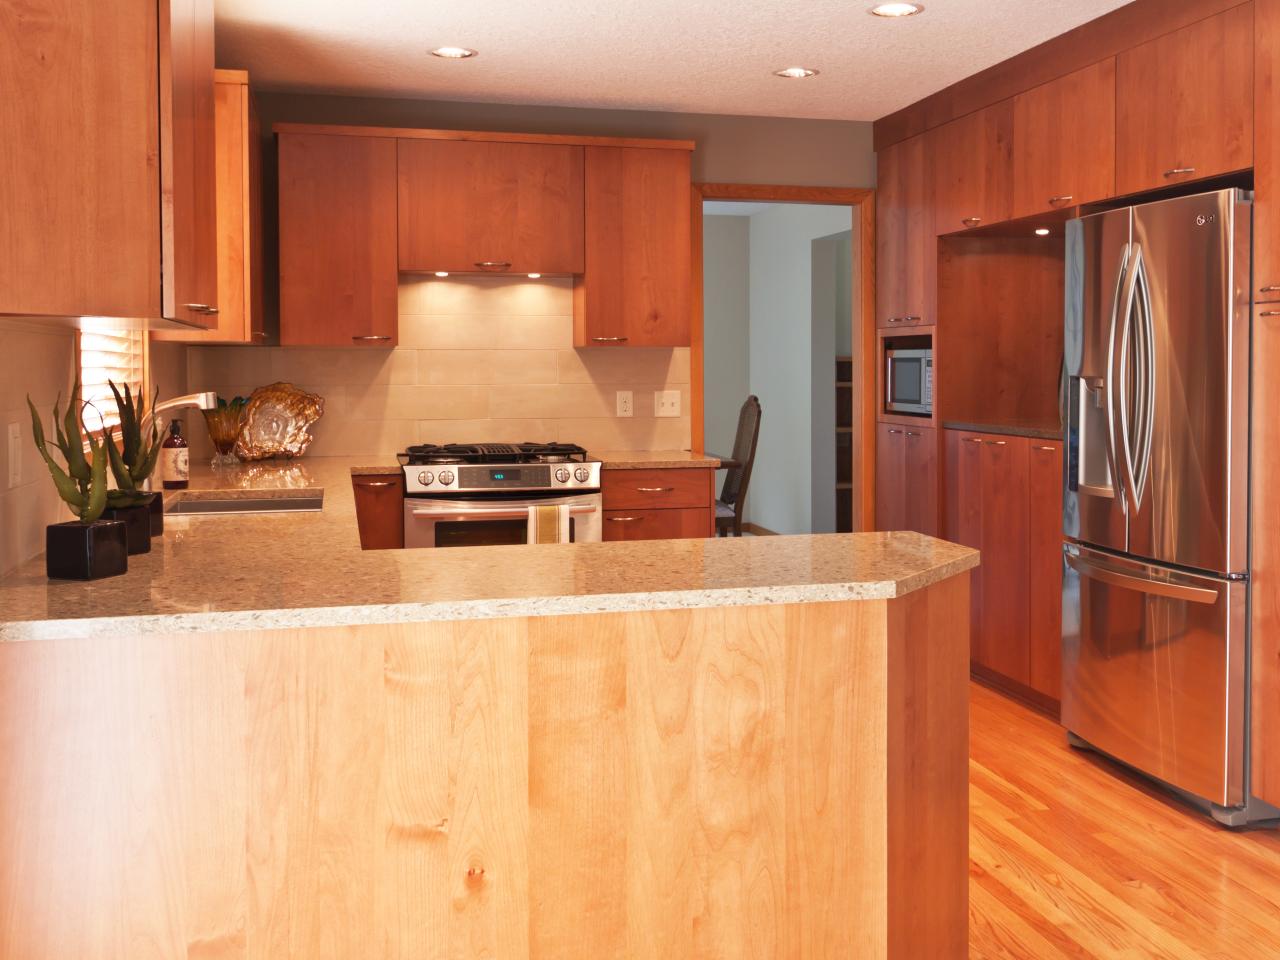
489 513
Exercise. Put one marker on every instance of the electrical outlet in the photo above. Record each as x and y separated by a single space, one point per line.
625 407
15 455
666 403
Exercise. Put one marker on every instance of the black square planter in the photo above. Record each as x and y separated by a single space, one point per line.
85 551
157 514
137 524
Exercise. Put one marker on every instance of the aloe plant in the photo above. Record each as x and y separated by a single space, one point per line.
135 459
83 483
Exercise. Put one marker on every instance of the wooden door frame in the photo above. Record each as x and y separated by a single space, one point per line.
863 201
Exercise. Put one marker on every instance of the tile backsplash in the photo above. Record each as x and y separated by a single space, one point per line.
479 359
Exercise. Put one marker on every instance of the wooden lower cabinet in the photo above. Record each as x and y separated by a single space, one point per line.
907 478
380 510
660 504
1004 497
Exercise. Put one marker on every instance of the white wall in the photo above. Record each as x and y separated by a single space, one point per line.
725 327
781 361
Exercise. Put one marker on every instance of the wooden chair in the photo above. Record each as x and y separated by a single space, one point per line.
733 492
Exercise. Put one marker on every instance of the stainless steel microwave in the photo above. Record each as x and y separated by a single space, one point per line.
908 381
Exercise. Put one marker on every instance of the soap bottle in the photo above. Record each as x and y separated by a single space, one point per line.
175 458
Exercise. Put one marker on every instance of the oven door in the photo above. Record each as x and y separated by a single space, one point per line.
487 521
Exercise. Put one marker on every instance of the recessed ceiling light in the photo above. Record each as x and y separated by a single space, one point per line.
1042 231
534 276
795 73
454 53
896 9
442 273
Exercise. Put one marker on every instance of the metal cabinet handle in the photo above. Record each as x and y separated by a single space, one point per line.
375 483
1179 171
623 519
200 307
971 439
911 318
1270 288
1269 313
910 434
996 443
1048 449
1065 198
494 264
893 431
608 339
655 489
971 221
370 338
262 334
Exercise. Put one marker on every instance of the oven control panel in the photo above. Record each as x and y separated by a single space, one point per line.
464 478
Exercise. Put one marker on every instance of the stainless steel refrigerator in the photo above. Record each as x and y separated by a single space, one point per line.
1156 492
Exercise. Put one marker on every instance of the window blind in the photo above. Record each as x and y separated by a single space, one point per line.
115 355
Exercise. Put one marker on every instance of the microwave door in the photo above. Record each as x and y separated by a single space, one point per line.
1094 508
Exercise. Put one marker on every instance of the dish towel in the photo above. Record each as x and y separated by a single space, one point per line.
549 523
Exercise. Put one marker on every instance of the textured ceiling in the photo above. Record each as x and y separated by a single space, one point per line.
696 56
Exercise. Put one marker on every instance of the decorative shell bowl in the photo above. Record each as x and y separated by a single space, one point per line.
277 421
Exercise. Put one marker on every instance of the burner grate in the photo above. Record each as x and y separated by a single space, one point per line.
430 453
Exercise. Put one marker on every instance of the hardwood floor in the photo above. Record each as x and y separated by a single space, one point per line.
1070 856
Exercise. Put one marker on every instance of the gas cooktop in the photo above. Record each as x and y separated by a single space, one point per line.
489 468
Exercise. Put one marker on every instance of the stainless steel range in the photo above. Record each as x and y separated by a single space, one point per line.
500 493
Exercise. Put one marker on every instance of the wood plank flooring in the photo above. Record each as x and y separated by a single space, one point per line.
1070 856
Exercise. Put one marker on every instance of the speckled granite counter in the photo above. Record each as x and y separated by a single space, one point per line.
1035 431
307 570
652 459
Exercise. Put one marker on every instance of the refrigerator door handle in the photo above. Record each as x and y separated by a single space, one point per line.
1109 378
1147 358
1136 389
1169 587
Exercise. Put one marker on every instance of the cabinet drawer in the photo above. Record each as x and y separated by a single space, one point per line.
690 523
655 489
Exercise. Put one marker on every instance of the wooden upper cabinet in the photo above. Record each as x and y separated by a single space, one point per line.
1184 104
240 317
1266 139
338 279
116 99
906 246
635 290
187 178
470 206
1064 141
973 169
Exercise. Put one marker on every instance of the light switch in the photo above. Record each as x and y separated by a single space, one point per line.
666 403
625 407
15 455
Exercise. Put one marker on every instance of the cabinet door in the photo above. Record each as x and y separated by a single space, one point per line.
891 477
188 208
1266 165
906 246
498 207
338 278
964 513
690 523
635 290
1044 566
239 219
973 169
79 197
1001 643
1064 141
380 510
921 467
1184 104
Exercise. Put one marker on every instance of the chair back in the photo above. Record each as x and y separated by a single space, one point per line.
734 488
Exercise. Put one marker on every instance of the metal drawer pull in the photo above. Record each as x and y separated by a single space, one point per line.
996 443
200 307
971 221
1116 578
623 519
907 319
1270 288
972 439
655 489
370 338
1048 449
1269 313
494 264
375 483
1062 199
1179 171
608 339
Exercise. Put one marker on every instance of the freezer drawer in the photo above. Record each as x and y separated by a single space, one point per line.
1154 670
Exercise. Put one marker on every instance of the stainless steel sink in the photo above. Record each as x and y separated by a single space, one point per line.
218 507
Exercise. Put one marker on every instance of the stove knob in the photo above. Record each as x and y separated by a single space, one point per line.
581 474
562 475
446 477
426 477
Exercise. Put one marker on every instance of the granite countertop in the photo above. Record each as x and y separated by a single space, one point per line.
1037 431
253 572
652 459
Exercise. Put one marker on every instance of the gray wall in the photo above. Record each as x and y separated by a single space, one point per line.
725 327
831 308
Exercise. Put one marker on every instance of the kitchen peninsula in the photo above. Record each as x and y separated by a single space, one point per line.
673 748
